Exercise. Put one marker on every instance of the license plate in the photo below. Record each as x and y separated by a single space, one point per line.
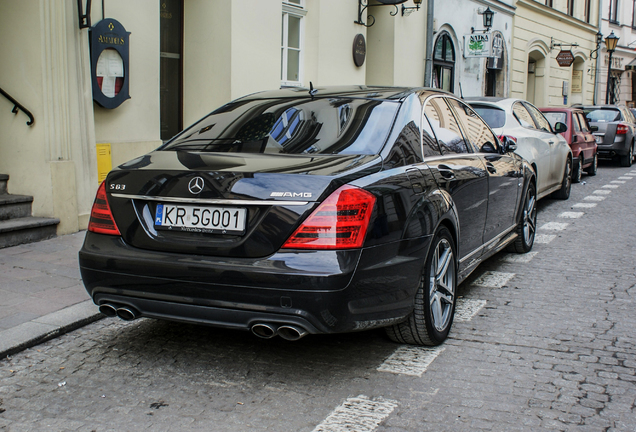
205 219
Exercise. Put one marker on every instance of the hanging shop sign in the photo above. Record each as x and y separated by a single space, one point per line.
359 50
109 63
565 58
496 60
477 45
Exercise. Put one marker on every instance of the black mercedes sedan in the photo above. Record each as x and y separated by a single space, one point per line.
298 211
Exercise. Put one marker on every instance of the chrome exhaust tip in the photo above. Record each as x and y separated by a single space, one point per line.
265 331
108 309
127 314
291 333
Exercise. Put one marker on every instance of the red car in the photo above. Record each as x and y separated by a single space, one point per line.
580 138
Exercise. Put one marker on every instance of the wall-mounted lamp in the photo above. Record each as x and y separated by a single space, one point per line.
362 5
487 16
409 10
84 13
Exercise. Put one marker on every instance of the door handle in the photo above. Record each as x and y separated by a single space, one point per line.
491 168
446 172
551 142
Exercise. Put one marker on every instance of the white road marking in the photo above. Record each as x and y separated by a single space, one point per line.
466 309
625 178
618 182
611 186
555 226
602 192
544 238
571 215
594 198
358 414
410 360
584 205
494 279
520 258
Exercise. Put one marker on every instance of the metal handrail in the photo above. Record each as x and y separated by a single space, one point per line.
17 106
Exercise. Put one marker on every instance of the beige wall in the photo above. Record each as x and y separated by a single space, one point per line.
534 27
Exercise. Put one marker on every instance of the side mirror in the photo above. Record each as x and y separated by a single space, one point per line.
594 128
488 148
509 145
560 127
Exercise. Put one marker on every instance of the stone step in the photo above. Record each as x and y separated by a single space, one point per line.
4 179
15 206
26 230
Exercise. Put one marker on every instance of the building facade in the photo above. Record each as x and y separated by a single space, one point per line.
542 31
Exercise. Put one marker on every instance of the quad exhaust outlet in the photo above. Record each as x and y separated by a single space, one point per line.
124 312
287 332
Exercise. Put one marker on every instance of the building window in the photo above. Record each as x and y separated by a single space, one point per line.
571 7
444 63
548 3
588 11
292 42
613 11
634 15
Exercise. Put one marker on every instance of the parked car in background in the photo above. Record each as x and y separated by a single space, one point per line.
616 131
579 137
294 212
537 142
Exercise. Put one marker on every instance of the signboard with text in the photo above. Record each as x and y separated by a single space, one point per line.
565 58
477 45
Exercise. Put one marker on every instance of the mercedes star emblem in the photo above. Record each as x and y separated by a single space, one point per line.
196 185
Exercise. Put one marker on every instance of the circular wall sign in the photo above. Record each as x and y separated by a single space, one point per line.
359 50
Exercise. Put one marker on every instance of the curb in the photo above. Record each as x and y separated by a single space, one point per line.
47 327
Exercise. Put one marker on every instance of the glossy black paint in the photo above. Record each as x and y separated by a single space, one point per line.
236 281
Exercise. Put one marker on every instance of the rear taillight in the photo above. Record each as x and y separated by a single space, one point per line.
340 222
621 129
102 221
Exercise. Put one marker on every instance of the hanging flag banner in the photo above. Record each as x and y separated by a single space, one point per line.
477 45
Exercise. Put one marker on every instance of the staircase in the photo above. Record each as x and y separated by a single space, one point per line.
17 226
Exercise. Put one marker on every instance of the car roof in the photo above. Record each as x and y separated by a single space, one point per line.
563 109
358 91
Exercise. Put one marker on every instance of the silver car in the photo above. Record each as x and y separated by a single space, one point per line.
614 130
537 142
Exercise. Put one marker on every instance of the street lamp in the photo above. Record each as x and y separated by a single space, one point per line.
487 16
610 44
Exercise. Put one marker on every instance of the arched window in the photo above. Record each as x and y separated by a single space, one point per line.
444 63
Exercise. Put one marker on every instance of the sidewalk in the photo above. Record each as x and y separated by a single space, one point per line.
41 293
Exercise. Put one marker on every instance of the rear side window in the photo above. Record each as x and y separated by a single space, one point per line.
495 117
292 126
602 115
554 117
522 115
445 126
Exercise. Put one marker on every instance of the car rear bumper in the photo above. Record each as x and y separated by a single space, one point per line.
620 147
321 291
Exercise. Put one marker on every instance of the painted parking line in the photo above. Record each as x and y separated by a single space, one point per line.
544 238
571 215
519 258
410 360
554 226
493 279
584 205
466 309
625 178
358 414
602 192
610 186
594 198
618 182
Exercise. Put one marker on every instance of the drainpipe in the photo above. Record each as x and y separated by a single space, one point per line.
428 71
597 75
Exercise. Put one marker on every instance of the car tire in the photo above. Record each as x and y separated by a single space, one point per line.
566 183
591 170
626 161
432 316
577 170
527 227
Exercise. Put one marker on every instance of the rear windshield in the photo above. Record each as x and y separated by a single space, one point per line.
292 126
495 117
554 117
602 114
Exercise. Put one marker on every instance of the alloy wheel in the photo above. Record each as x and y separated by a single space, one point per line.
441 285
529 218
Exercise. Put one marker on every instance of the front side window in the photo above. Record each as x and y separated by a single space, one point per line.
292 43
445 126
523 116
539 118
477 132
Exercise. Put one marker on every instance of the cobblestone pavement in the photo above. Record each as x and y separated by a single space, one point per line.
544 341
